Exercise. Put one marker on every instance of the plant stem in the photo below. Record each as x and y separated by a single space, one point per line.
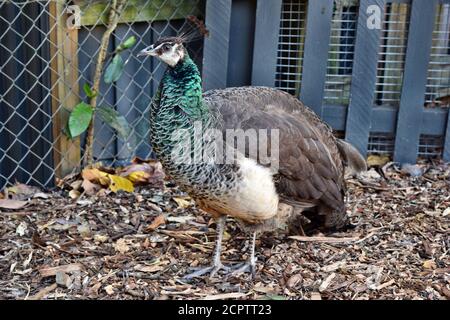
113 19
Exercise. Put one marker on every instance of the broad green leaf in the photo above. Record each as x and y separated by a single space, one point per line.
127 44
80 118
114 69
88 90
115 121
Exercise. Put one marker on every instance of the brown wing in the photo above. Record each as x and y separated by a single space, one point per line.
311 167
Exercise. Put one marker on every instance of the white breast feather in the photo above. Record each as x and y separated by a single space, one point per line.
256 197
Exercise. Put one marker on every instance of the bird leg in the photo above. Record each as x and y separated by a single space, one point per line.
217 263
250 264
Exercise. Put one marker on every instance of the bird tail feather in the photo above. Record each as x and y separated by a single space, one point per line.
353 159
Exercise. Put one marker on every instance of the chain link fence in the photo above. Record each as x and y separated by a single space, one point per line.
48 51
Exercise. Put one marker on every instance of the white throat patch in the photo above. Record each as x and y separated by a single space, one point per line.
173 56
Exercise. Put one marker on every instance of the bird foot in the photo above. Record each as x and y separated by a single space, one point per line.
248 266
212 270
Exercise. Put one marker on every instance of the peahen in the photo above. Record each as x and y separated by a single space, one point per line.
310 173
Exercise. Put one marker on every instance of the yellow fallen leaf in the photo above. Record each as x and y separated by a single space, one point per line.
429 264
138 177
377 161
120 183
96 176
183 202
143 172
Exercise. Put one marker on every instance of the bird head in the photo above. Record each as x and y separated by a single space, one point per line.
169 50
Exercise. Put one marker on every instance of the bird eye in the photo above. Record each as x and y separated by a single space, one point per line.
166 47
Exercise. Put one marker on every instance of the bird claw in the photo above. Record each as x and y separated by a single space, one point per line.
248 266
212 270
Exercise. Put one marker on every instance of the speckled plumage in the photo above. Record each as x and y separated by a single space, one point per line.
311 169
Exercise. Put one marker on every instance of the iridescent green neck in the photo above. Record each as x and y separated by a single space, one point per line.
177 105
182 88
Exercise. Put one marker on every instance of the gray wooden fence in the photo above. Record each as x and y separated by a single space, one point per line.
391 85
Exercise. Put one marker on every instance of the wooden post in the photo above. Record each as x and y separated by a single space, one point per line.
267 29
215 50
364 76
414 81
315 60
65 88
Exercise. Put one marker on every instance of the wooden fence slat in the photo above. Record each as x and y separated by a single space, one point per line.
216 46
65 88
267 28
414 81
315 58
96 13
362 89
384 119
446 155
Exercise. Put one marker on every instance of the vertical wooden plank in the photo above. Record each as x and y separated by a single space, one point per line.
65 88
318 30
242 38
446 155
267 29
362 89
216 46
414 80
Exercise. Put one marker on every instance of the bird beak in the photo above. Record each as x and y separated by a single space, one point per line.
149 51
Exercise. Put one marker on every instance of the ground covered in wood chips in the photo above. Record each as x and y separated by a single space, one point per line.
139 245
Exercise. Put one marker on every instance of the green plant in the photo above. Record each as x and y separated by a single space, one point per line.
83 113
82 116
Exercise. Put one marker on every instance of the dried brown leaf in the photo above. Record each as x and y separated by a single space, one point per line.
51 271
183 202
21 191
159 220
12 204
90 188
121 246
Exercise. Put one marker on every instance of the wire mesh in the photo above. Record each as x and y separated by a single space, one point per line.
44 64
290 46
391 62
340 55
381 143
431 146
438 84
438 80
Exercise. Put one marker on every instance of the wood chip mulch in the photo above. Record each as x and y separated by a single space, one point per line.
139 246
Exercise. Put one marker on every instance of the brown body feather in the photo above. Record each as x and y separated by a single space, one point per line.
311 168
